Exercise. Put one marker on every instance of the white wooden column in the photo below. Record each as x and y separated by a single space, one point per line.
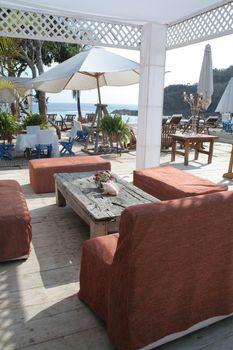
150 109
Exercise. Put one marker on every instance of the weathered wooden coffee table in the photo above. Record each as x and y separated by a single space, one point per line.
101 212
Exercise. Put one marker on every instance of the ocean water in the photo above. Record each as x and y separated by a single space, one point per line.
71 108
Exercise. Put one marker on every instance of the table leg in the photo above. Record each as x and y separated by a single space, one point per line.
197 147
211 151
173 152
60 199
186 152
98 229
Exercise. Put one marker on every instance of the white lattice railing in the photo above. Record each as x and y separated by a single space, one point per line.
94 31
211 24
35 25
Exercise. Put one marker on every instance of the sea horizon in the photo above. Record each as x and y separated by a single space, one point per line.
63 108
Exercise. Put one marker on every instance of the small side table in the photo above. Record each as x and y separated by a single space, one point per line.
192 142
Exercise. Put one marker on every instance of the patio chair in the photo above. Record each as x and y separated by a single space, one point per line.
67 145
81 135
212 121
70 118
132 141
60 121
90 117
44 145
166 140
52 116
5 151
175 119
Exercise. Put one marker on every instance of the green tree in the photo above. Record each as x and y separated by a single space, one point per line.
33 54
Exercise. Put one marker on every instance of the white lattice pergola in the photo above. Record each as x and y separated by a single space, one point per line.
153 26
94 31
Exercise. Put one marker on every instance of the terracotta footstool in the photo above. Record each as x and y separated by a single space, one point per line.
15 222
41 171
167 182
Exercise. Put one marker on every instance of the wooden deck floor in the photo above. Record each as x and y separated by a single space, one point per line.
39 308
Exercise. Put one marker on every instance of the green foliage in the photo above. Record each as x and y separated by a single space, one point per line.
115 128
58 52
35 119
8 126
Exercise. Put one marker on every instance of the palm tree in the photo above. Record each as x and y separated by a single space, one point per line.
76 96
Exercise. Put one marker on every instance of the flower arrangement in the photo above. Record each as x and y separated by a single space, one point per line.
103 176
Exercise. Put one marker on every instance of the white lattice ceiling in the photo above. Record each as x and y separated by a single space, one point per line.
159 11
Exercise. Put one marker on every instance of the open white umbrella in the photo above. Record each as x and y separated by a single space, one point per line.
87 70
205 85
225 104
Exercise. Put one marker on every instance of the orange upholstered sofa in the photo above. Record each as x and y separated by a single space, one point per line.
167 182
15 222
41 171
167 273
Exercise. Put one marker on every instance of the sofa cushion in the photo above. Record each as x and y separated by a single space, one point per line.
167 182
172 268
41 171
15 222
97 256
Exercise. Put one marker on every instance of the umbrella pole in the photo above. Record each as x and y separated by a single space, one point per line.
98 87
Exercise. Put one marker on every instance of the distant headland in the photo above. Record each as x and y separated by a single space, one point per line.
125 112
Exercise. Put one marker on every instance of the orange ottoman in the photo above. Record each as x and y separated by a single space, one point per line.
41 171
15 222
167 182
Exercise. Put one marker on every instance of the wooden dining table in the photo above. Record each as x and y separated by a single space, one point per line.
192 141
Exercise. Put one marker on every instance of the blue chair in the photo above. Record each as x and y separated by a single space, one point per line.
67 147
80 134
44 146
227 126
5 151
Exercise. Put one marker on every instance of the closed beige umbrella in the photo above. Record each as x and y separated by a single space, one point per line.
205 85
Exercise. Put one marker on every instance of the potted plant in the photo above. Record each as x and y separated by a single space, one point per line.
116 129
35 119
8 126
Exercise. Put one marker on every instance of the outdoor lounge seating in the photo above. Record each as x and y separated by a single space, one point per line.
167 182
15 222
168 273
41 171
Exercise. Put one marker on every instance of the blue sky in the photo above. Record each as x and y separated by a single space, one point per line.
183 64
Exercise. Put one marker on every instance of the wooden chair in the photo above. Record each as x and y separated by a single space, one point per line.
61 123
52 116
70 118
133 140
212 121
166 140
175 119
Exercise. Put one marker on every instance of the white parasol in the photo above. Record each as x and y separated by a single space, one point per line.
205 85
90 69
225 104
